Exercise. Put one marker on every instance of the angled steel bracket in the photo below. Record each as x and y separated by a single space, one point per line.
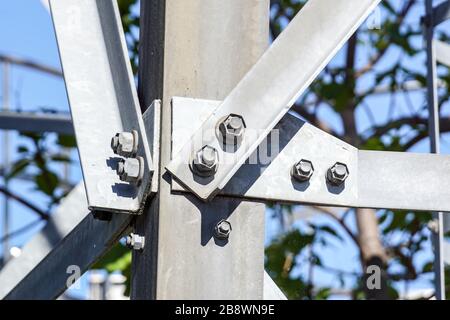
391 180
103 101
267 91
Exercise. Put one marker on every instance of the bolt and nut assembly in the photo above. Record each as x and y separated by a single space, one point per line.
125 144
337 174
303 170
131 170
222 230
231 130
206 161
135 242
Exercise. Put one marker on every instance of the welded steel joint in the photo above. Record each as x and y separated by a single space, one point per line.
222 229
337 174
231 130
206 161
125 144
303 170
131 170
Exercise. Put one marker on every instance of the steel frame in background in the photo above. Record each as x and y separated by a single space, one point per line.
435 16
103 99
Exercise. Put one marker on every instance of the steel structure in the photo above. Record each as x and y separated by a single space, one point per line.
435 16
188 176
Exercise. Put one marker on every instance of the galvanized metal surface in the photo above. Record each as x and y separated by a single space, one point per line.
377 179
446 250
152 123
434 134
182 53
440 13
403 180
102 96
63 222
442 52
84 245
267 91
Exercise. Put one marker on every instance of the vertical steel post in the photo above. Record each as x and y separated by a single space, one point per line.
433 125
198 49
6 103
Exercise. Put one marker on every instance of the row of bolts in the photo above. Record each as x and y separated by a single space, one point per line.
205 164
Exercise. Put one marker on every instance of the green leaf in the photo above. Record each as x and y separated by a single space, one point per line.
47 182
67 141
18 167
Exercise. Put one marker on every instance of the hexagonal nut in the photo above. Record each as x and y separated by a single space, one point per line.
206 161
338 173
222 229
135 242
131 170
232 129
125 144
303 170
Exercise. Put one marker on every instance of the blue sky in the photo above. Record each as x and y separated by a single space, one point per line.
26 31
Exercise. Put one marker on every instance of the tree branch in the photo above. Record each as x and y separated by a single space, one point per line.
339 220
374 60
24 202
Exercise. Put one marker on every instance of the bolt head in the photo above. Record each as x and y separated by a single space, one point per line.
302 170
131 170
206 161
125 143
232 129
223 229
338 173
135 241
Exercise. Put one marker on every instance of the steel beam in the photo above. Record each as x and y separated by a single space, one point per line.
81 248
70 213
31 64
71 237
446 249
395 180
103 100
201 48
440 13
434 134
275 82
442 52
34 122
